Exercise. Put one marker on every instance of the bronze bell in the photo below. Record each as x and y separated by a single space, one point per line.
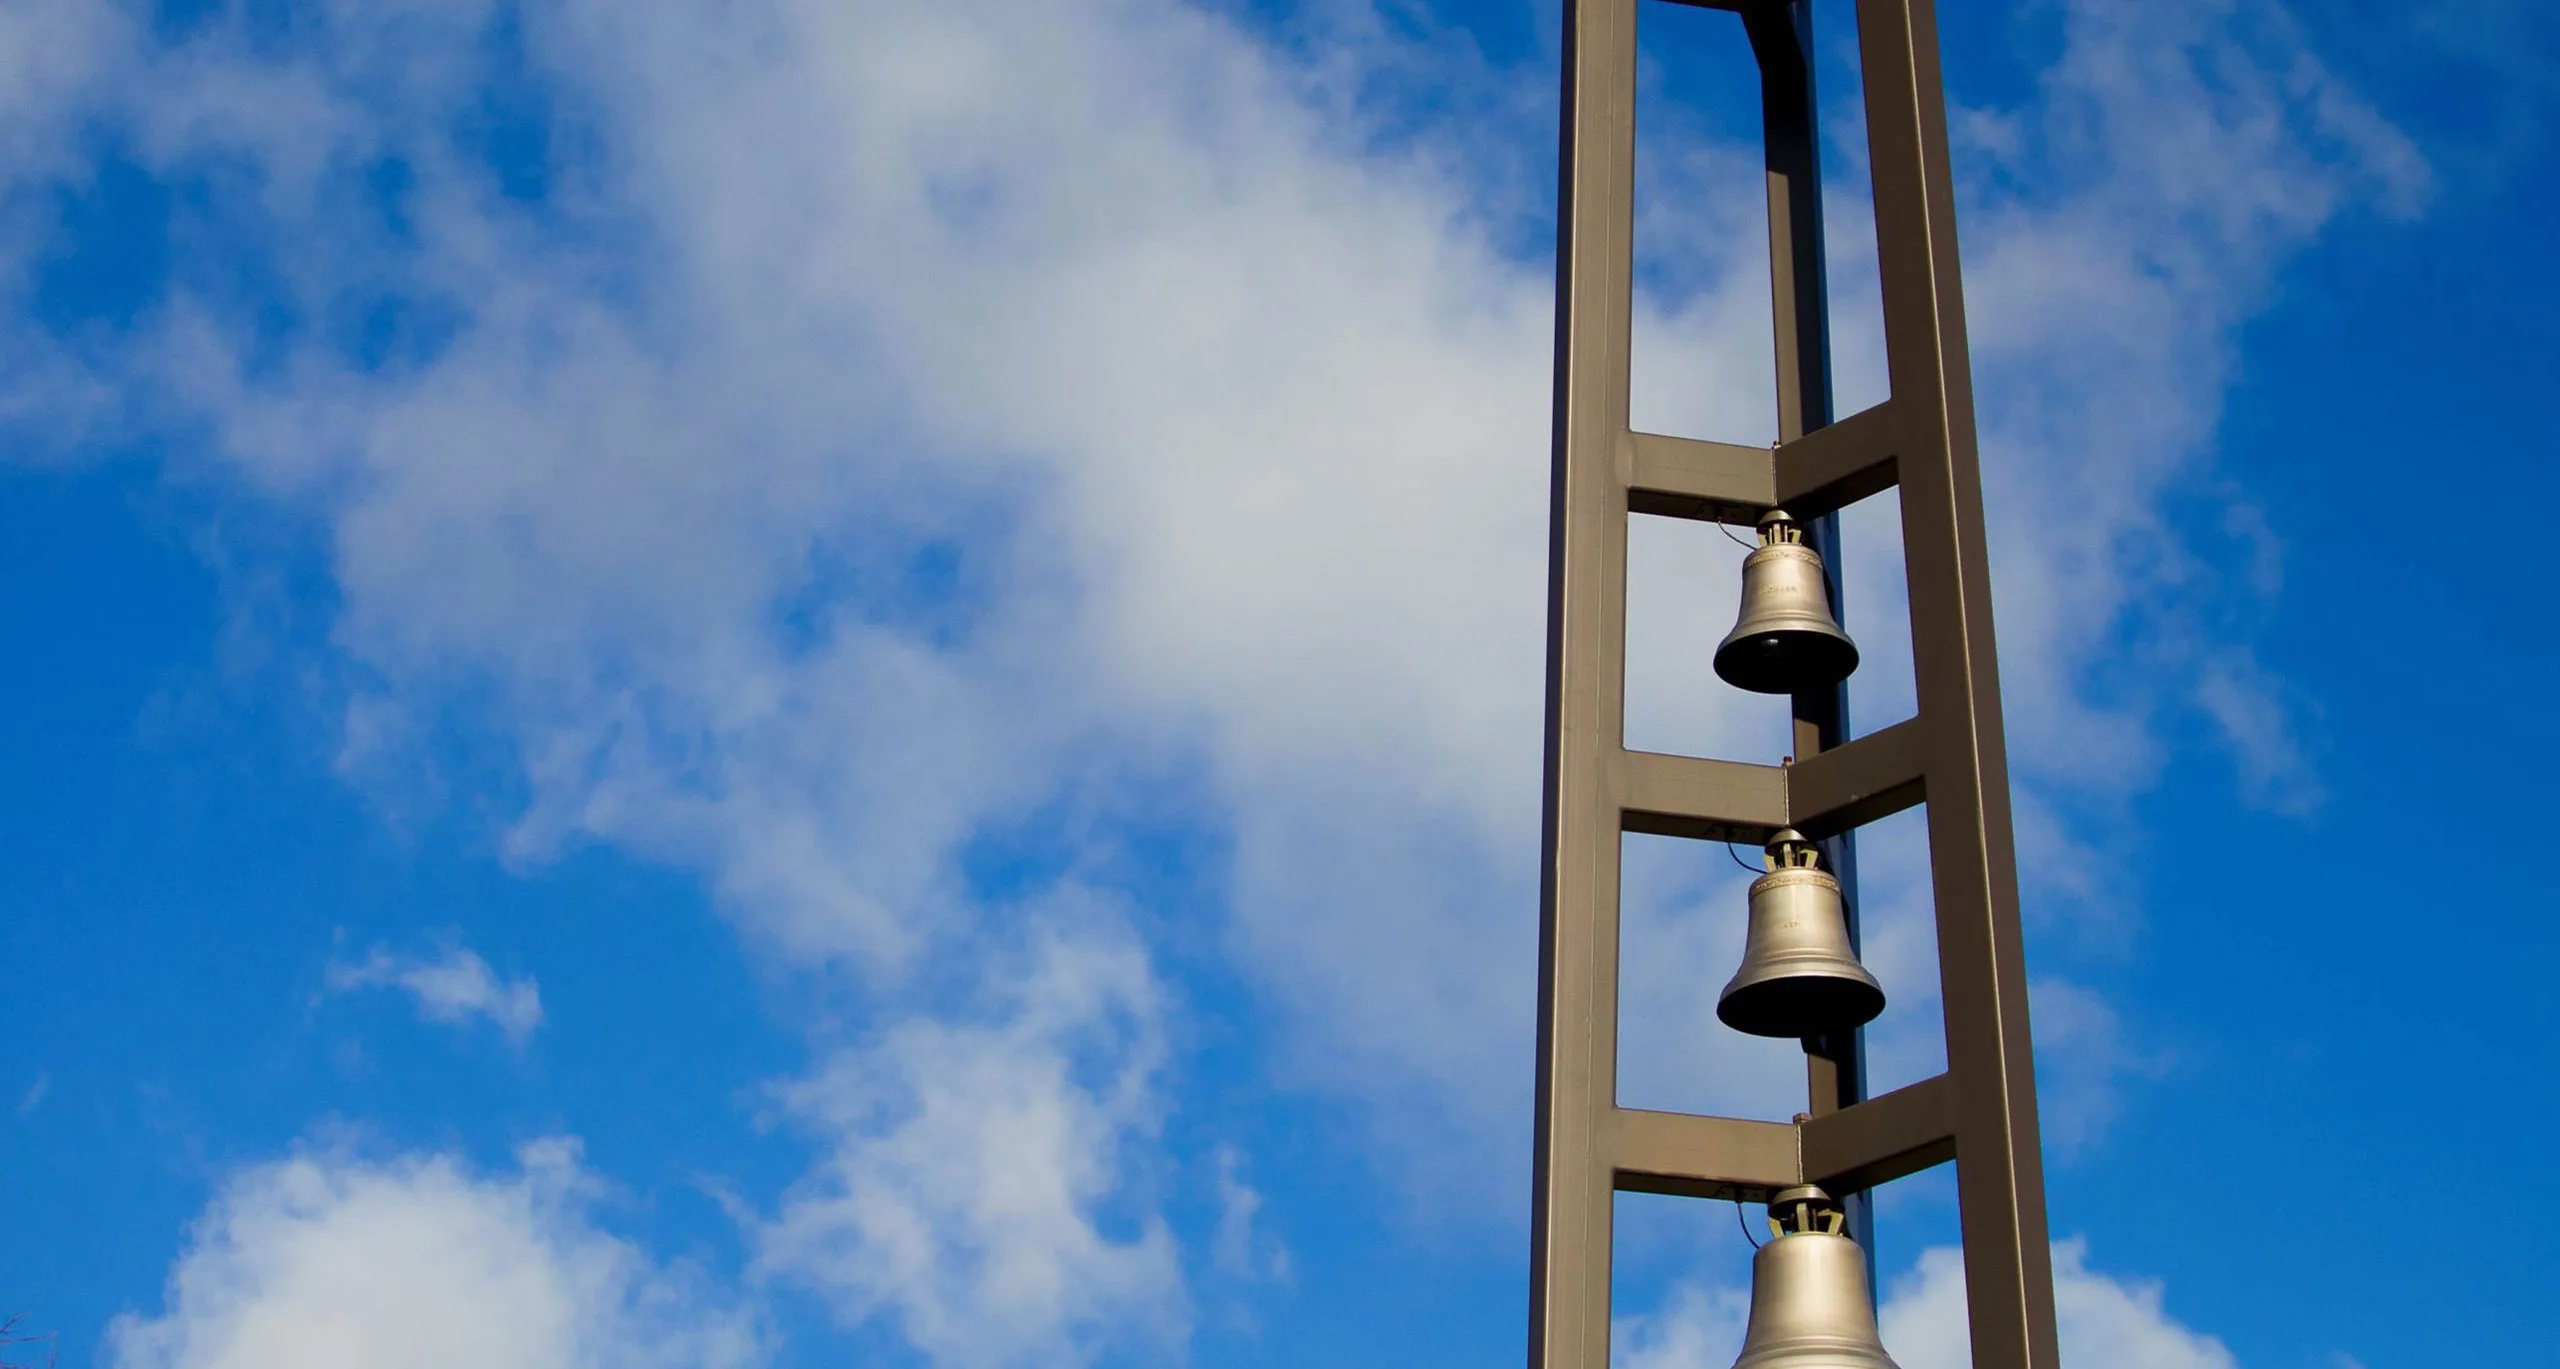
1786 641
1799 976
1809 1303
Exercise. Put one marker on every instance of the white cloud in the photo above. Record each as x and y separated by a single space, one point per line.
2104 1322
984 1181
453 986
325 1261
1700 1328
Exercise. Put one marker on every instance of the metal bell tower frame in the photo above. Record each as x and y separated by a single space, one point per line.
1981 1112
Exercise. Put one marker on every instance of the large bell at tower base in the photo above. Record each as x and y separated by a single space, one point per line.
1785 641
1810 1307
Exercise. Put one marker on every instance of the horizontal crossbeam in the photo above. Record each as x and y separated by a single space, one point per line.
1875 776
1725 482
1882 1139
1690 1156
1834 467
1689 796
1858 1147
1830 792
1710 482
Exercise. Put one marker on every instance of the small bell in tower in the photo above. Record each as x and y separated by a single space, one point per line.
1799 977
1809 1302
1786 641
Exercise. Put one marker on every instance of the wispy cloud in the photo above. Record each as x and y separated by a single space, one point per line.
2086 1053
453 985
977 1168
1241 1247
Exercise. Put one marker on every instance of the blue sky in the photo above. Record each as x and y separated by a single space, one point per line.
694 685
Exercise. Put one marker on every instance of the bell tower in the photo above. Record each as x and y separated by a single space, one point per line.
1919 444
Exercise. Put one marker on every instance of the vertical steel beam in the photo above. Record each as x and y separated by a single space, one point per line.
1972 848
1570 1224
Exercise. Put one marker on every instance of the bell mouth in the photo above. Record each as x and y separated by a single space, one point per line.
1794 1007
1785 661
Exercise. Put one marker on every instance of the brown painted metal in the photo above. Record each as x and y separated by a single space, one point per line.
1882 1139
1981 1112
